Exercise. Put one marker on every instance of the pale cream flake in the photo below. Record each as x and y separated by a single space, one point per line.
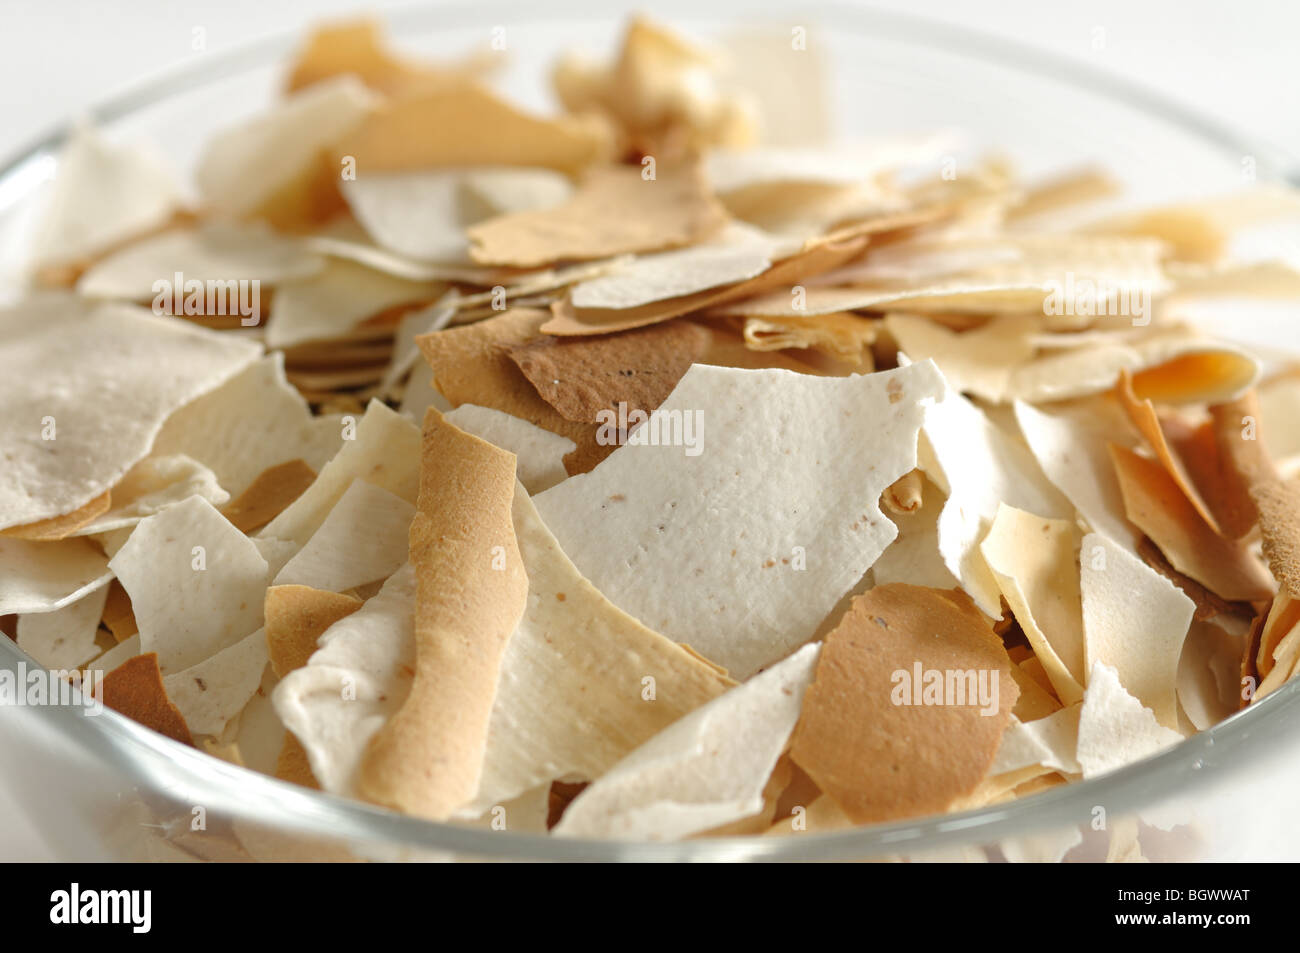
978 362
109 377
353 684
152 485
64 638
738 253
1035 564
214 429
258 733
423 214
102 194
981 467
618 683
417 214
245 166
504 189
196 583
363 539
123 651
707 769
44 577
1135 621
525 814
914 556
1115 729
336 300
348 240
539 453
223 258
741 546
1049 743
215 690
405 362
383 448
1209 674
1069 441
1279 423
731 170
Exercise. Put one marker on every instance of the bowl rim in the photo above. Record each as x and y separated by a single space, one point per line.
245 795
239 794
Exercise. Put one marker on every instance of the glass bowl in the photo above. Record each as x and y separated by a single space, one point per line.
104 788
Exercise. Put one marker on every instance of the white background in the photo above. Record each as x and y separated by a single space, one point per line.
1237 60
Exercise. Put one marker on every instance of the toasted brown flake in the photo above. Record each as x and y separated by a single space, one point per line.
581 376
1035 700
135 688
357 47
615 211
1222 372
1241 460
326 381
61 527
879 760
1278 502
118 615
1281 621
1142 413
308 200
1208 605
904 495
411 133
320 355
561 796
270 493
296 617
291 763
472 365
1156 504
1250 657
799 791
1033 669
471 594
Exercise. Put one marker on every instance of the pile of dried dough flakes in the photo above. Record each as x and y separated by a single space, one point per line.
623 471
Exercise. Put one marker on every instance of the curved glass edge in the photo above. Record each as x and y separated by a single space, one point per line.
148 758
